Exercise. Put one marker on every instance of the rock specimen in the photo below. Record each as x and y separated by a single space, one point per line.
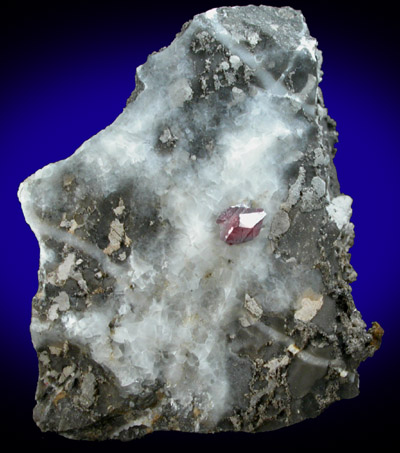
145 319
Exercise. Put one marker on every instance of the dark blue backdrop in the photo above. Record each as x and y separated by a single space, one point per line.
66 72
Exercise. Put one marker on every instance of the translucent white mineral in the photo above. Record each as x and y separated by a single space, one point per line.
144 319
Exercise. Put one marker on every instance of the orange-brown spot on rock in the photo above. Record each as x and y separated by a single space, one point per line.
155 419
377 333
160 395
59 397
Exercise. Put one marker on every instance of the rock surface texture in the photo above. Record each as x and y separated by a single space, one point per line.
145 319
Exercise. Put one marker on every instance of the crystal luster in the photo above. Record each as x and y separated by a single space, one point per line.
240 224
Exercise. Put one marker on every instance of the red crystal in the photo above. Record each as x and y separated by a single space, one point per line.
240 224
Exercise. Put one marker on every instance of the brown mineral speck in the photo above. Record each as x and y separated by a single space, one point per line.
59 397
377 334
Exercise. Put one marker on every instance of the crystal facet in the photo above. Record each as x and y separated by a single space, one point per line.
240 224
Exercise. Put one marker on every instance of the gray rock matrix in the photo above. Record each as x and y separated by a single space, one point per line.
144 318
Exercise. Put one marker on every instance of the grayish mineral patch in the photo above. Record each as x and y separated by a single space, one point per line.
144 319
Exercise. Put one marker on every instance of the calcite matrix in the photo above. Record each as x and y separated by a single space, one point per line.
145 319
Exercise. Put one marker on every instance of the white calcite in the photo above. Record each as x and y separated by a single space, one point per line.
162 321
339 210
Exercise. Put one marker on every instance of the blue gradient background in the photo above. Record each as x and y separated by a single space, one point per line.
66 72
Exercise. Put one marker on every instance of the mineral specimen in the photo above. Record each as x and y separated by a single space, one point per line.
144 319
240 224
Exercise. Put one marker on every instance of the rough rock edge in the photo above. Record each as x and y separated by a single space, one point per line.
84 398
